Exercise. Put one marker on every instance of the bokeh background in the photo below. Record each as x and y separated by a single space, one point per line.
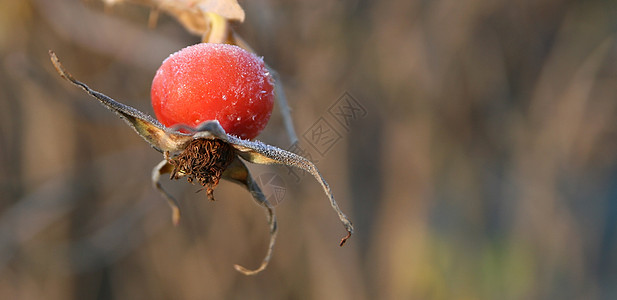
484 167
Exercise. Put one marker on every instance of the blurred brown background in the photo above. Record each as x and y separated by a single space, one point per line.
484 166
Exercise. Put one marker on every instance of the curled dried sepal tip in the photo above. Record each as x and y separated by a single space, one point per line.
248 272
173 144
59 68
343 240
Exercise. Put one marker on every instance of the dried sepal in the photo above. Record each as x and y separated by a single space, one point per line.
165 167
238 173
206 130
148 128
260 153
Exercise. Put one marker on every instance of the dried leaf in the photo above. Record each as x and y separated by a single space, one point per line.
193 14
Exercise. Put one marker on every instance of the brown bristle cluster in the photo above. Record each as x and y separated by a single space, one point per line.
203 160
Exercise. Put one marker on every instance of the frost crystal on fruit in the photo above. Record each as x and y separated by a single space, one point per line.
214 82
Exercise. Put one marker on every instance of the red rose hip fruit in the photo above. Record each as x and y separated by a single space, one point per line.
214 82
